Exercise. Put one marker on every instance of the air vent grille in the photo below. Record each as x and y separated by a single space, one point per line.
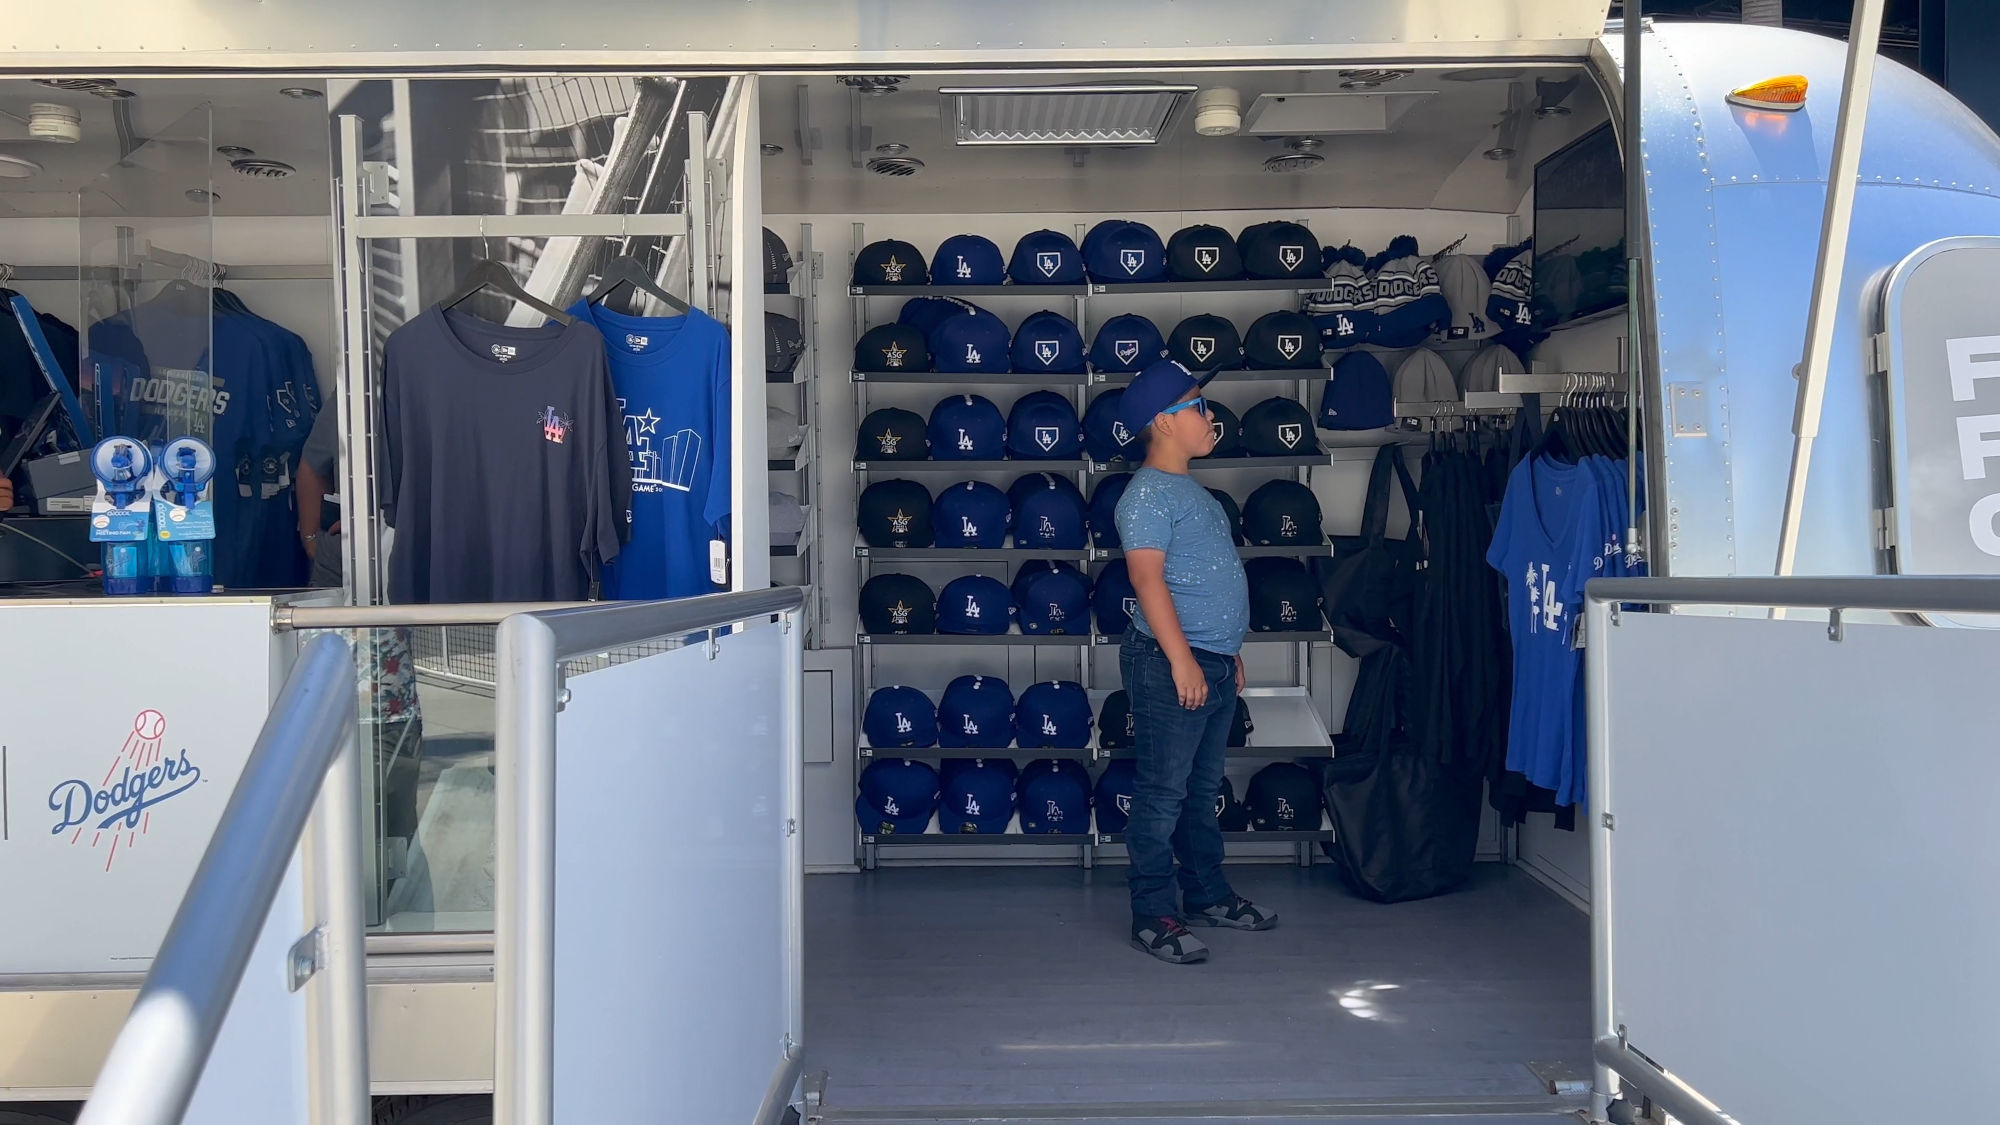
261 168
895 165
1063 115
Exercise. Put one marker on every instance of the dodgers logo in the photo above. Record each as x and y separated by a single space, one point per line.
1291 256
1049 726
965 442
1290 345
1054 812
1124 804
1287 526
966 528
903 723
1046 437
1287 613
1046 351
1207 256
1201 347
1125 350
1048 261
1290 433
1131 606
964 267
972 355
121 810
555 427
1132 260
1120 434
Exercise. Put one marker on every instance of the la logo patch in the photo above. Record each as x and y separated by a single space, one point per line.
1046 351
1290 345
1047 436
1291 256
1048 261
1132 260
1206 257
1201 347
1290 433
1120 434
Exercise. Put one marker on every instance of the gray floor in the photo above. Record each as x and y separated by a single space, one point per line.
1014 987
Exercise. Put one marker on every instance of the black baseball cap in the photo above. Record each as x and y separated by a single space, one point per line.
1278 427
890 434
1230 815
1114 723
1240 726
1279 249
892 347
1113 600
1283 597
784 343
890 262
1230 511
1228 430
1282 340
894 513
777 263
1282 513
1203 253
1283 797
898 603
1206 342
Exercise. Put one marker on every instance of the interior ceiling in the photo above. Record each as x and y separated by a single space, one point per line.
1430 158
176 149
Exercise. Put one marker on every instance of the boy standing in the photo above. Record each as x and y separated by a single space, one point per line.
1182 666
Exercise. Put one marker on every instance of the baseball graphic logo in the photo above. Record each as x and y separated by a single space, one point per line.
150 725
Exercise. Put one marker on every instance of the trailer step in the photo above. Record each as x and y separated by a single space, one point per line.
1346 1111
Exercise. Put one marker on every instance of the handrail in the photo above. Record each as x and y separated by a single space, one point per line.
157 1060
389 616
1892 593
599 626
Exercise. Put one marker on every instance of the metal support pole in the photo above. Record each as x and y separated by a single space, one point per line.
524 867
355 397
794 911
1597 683
698 230
337 999
1863 36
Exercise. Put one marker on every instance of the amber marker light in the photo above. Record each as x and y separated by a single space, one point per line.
1785 93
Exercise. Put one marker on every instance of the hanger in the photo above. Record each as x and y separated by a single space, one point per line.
626 270
489 274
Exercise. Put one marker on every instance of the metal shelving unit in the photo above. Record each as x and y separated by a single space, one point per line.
803 465
1024 465
970 554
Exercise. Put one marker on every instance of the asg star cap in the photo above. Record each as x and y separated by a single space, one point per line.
890 434
890 262
898 603
892 347
894 513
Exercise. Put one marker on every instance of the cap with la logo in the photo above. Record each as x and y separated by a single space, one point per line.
1283 597
1113 599
1344 310
975 605
1280 341
1055 602
1116 786
1278 427
894 513
1115 728
967 428
1055 714
1228 430
1047 343
1282 513
1126 344
898 716
1279 250
977 797
897 797
967 259
1203 253
1104 433
1206 342
1231 514
1230 815
973 343
1049 513
890 434
1120 250
890 262
1283 797
976 712
1043 426
898 603
892 347
1055 801
1046 257
972 514
1031 569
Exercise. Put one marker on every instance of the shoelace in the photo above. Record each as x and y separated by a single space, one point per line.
1173 928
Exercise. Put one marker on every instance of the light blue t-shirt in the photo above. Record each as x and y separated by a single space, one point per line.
1171 512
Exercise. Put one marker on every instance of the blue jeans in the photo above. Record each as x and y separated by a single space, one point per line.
1180 758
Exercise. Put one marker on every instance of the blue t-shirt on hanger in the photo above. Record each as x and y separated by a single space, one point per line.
671 376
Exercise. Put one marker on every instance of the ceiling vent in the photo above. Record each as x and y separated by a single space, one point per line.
895 165
258 167
1062 115
1369 79
1303 156
77 85
874 85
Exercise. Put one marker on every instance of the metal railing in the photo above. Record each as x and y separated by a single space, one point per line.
1894 594
302 771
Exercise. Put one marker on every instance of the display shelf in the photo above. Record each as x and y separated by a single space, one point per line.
1306 550
957 379
1023 465
796 377
791 550
967 554
1296 836
988 839
1241 375
1242 285
996 639
1011 753
1272 752
796 461
1288 636
966 290
1290 461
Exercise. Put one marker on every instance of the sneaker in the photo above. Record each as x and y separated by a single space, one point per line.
1235 912
1169 940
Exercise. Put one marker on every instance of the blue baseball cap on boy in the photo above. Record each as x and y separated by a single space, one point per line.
1120 250
969 344
1043 426
1054 603
967 428
1104 433
1048 513
897 797
1104 509
967 259
976 798
1113 794
1113 599
1047 342
972 514
1055 713
1055 802
1159 386
899 716
1046 257
975 605
1127 342
976 712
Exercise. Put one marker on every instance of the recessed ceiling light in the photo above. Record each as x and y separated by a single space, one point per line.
17 167
115 93
892 148
234 152
1498 152
769 149
303 93
202 195
1552 111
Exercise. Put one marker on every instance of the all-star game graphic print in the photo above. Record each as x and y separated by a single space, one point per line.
892 271
892 356
118 810
658 461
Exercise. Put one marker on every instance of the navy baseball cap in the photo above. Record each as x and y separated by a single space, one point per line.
892 347
897 797
975 605
890 262
925 313
1230 815
1228 430
976 711
1282 513
1127 342
967 428
1203 253
1120 250
1159 386
1358 395
1283 597
899 716
1055 602
898 603
1115 786
894 513
1104 509
949 766
1115 729
1278 427
1046 257
1043 426
969 344
1056 801
1230 512
1239 727
1114 599
1283 797
777 263
1048 343
973 514
1281 340
1104 433
1055 714
1279 249
1204 341
967 259
976 798
1034 568
890 434
1049 513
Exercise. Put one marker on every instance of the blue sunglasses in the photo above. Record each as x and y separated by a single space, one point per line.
1197 403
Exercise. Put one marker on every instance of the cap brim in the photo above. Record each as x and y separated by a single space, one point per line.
1203 380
